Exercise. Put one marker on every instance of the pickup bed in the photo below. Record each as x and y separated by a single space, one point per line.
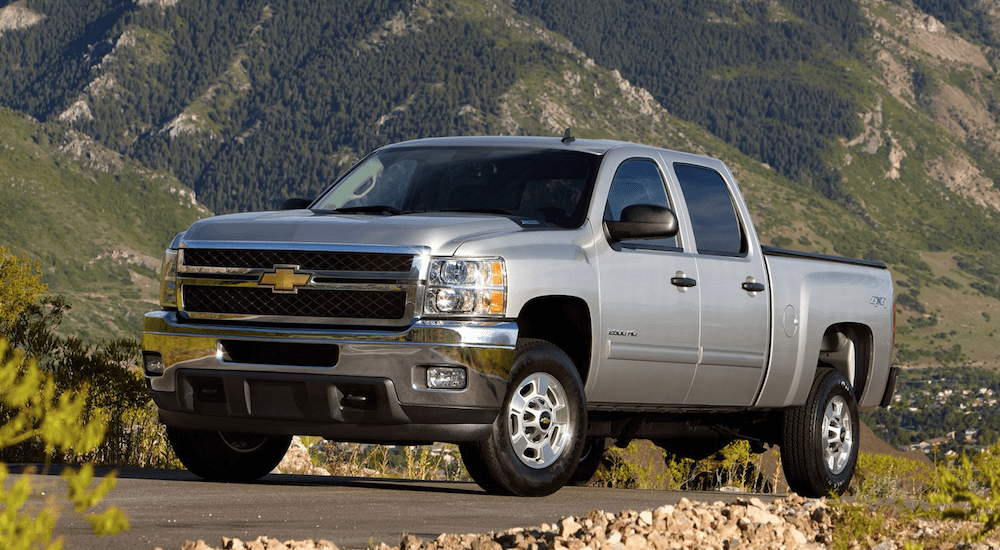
527 298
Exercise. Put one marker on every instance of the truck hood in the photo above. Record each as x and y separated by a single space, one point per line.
443 233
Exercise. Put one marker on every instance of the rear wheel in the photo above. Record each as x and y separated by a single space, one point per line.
227 456
538 437
590 460
819 450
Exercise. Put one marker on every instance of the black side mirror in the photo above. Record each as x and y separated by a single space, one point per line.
643 221
296 204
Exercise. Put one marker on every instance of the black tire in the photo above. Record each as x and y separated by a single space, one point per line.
538 437
590 461
819 449
227 456
472 459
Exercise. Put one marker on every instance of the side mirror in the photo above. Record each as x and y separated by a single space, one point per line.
643 221
296 204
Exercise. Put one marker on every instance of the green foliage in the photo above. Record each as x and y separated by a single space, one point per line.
858 522
424 462
22 285
110 371
35 410
889 477
106 377
970 490
626 471
951 356
642 465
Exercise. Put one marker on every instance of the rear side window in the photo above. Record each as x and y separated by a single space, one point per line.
717 230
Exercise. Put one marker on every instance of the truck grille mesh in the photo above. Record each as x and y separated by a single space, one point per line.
308 260
337 304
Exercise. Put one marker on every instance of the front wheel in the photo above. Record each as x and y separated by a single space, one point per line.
538 437
227 456
819 450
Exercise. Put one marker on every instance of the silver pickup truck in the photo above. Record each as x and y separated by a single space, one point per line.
527 298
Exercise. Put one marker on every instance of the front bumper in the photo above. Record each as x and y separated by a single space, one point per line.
339 384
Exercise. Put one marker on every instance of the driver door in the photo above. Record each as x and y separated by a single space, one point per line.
649 328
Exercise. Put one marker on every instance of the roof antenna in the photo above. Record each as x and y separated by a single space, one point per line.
567 139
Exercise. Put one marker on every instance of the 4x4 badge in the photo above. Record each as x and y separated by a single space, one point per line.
284 279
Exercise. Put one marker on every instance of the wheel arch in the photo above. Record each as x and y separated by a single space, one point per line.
849 349
564 321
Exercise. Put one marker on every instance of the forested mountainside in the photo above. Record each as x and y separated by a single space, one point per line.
766 77
858 127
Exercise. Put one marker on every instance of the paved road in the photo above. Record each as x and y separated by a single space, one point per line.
167 508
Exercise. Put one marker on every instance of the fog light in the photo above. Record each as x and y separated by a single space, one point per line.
152 362
446 378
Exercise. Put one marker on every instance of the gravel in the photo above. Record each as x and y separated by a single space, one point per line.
787 524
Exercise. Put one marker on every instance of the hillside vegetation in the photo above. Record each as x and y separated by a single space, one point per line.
96 221
866 128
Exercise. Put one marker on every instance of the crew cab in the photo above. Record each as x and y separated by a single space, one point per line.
527 298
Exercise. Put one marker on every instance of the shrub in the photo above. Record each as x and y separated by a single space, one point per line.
110 370
970 490
641 465
888 477
35 410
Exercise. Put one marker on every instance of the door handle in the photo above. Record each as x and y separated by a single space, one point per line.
685 282
753 287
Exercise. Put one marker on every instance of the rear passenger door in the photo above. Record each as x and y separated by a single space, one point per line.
731 275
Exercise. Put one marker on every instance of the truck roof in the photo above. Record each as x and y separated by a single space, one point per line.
593 146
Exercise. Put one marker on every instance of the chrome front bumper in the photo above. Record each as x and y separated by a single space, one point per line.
348 386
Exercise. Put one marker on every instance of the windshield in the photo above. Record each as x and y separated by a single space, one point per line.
550 186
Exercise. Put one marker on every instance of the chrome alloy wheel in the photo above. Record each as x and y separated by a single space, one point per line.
540 427
838 436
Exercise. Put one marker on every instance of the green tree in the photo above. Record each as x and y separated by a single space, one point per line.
108 374
22 285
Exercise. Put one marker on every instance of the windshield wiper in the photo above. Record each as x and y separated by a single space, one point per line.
369 209
480 211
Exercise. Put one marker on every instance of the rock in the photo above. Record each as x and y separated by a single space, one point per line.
635 542
569 527
411 542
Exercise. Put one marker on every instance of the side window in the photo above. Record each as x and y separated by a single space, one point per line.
717 230
638 181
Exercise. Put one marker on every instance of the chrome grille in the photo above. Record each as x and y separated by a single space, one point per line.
287 284
309 260
335 304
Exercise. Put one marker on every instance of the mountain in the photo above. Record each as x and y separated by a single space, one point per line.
859 127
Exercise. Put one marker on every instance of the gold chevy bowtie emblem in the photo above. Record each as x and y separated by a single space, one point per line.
284 279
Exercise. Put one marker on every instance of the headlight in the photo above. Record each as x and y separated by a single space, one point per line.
168 275
168 280
466 287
